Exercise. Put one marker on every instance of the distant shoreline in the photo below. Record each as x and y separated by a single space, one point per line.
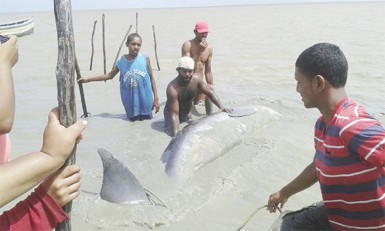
9 7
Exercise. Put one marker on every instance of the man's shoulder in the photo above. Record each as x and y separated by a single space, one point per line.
187 43
196 79
173 83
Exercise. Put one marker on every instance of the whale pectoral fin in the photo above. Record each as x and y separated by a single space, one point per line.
242 111
120 185
154 199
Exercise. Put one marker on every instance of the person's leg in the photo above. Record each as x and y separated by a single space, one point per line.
200 99
208 106
313 217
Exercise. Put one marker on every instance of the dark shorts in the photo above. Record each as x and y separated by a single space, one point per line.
313 217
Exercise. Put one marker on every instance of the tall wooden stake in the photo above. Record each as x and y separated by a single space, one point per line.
121 44
104 45
136 22
65 75
92 44
82 97
155 47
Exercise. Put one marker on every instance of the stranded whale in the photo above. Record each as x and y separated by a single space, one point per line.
195 146
210 137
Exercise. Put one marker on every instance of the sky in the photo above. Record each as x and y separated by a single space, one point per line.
9 6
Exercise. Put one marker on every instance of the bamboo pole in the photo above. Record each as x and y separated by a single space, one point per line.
121 44
65 73
104 45
92 44
155 47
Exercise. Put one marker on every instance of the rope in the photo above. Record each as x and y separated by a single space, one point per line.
252 215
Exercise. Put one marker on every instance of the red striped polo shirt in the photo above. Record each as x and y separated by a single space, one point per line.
349 159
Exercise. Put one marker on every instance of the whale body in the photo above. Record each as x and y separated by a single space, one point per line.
210 137
201 142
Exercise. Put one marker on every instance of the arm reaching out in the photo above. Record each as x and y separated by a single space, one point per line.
108 76
210 93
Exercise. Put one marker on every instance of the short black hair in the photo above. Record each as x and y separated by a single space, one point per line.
132 36
324 59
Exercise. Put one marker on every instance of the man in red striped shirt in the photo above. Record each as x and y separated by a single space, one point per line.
349 161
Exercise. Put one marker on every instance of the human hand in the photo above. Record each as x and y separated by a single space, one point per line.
64 185
204 43
83 80
275 200
58 141
228 110
9 52
156 106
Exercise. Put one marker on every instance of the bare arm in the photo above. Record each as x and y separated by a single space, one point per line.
153 85
208 72
209 92
8 58
172 101
303 181
186 49
20 175
109 75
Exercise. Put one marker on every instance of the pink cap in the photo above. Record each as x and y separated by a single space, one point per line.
202 27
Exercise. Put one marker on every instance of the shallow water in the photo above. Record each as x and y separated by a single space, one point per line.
255 48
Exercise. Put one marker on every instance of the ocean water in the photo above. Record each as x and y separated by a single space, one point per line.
255 48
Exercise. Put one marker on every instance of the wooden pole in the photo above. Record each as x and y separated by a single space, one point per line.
92 44
121 44
136 22
104 45
155 47
82 97
65 73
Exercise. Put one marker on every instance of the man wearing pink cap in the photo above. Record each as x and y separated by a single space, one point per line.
198 49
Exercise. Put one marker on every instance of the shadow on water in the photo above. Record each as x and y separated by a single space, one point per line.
112 116
158 125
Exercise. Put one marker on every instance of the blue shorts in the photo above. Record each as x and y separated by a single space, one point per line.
313 217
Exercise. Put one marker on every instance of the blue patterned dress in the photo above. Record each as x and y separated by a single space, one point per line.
135 87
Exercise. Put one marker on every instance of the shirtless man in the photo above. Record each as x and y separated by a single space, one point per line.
198 49
180 94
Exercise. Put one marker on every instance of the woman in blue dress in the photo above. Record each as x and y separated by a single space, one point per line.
137 83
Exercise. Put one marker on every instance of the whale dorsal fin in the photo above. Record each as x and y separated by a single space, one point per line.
119 186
